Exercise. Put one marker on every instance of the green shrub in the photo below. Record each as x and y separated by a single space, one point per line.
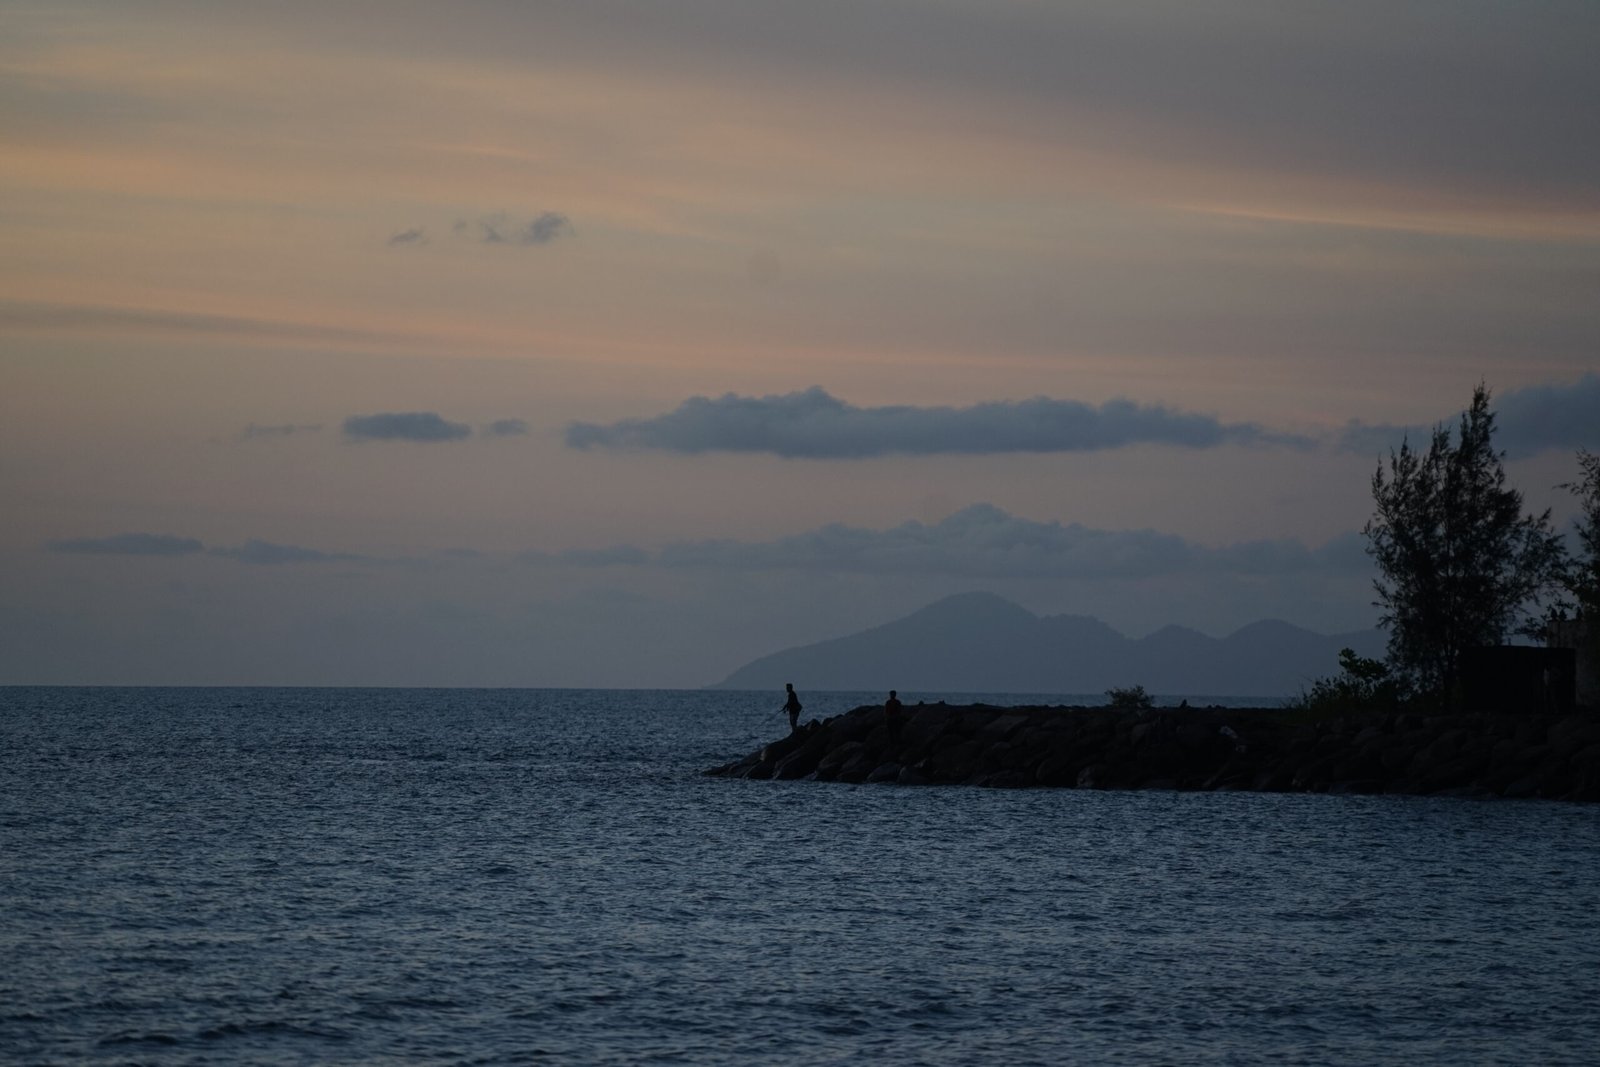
1362 684
1133 696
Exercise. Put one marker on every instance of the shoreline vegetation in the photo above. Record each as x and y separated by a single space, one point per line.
1515 755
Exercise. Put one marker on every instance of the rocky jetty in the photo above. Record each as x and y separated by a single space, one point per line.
1271 750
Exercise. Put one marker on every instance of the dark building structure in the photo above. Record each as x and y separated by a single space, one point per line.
1583 636
1518 678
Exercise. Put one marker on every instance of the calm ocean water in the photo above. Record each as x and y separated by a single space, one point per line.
523 876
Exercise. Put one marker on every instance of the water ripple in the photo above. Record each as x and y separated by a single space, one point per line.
504 877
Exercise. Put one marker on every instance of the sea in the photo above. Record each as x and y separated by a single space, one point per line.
532 876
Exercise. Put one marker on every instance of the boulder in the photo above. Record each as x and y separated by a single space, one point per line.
803 760
836 757
1001 727
858 766
1008 779
884 772
953 763
911 776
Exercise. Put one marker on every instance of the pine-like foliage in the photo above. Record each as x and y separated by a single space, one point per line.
1585 582
1458 561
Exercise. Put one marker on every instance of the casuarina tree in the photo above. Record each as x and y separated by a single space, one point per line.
1459 563
1585 581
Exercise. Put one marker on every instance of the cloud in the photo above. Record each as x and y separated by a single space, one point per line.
1377 439
814 425
1534 419
500 228
253 431
266 553
614 556
544 229
33 315
506 428
252 551
424 426
1544 417
413 236
1233 85
488 228
983 541
129 544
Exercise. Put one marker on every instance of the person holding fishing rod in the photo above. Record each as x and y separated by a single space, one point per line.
792 706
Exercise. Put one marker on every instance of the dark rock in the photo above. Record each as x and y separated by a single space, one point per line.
1533 755
1001 727
1058 769
1574 732
1102 776
1004 756
802 760
1008 779
835 758
1357 785
1279 779
1465 791
955 763
858 766
911 776
884 772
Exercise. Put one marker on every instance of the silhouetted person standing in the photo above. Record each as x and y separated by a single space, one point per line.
792 706
891 717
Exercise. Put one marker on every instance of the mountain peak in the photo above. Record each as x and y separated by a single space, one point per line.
978 605
982 642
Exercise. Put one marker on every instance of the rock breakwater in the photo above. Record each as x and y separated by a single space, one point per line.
1271 750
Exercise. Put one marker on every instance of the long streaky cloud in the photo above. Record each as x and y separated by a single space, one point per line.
271 554
424 426
983 541
129 544
253 551
255 431
815 425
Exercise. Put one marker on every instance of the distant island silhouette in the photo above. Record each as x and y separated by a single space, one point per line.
984 643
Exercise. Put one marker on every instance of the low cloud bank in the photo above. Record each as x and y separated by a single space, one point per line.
423 426
129 544
255 431
252 551
816 425
983 541
270 554
507 428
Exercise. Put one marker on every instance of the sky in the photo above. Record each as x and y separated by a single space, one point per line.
617 343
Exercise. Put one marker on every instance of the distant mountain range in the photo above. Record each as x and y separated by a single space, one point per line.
983 643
